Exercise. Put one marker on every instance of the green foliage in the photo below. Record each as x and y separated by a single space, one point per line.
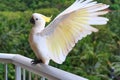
1 71
116 5
23 5
95 57
13 5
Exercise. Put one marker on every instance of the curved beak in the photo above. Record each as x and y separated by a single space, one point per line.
32 20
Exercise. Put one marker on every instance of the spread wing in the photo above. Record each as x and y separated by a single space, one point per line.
72 25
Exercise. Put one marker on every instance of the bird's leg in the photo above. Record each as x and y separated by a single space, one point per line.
36 61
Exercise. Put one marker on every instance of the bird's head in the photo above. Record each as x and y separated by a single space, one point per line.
39 18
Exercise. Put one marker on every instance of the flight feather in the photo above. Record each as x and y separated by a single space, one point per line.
72 25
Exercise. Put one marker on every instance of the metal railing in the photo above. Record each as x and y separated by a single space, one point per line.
24 63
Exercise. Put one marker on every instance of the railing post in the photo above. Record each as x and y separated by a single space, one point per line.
17 72
24 74
6 72
30 75
42 78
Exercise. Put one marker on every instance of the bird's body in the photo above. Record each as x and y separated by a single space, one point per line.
55 41
34 39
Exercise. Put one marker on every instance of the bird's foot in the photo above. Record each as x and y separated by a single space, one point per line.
36 61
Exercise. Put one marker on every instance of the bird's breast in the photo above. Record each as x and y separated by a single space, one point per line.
38 45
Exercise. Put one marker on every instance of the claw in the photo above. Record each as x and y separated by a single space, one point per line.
36 61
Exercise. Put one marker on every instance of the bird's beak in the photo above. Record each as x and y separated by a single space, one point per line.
32 21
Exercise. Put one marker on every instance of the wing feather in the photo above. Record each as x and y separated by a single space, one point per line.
72 25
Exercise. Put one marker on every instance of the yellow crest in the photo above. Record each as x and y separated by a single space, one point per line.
47 19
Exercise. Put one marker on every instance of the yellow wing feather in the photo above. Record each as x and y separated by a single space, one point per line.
66 30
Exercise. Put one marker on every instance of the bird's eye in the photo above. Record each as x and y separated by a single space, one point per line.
36 18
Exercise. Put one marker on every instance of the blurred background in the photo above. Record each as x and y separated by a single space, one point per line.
96 57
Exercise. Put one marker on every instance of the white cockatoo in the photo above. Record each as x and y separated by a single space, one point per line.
55 41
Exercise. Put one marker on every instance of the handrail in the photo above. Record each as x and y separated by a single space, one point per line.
47 71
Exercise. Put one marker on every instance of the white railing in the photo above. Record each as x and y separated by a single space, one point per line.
43 70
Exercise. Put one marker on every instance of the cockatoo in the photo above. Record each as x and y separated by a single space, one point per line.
55 41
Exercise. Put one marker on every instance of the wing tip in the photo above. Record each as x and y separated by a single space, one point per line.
58 61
